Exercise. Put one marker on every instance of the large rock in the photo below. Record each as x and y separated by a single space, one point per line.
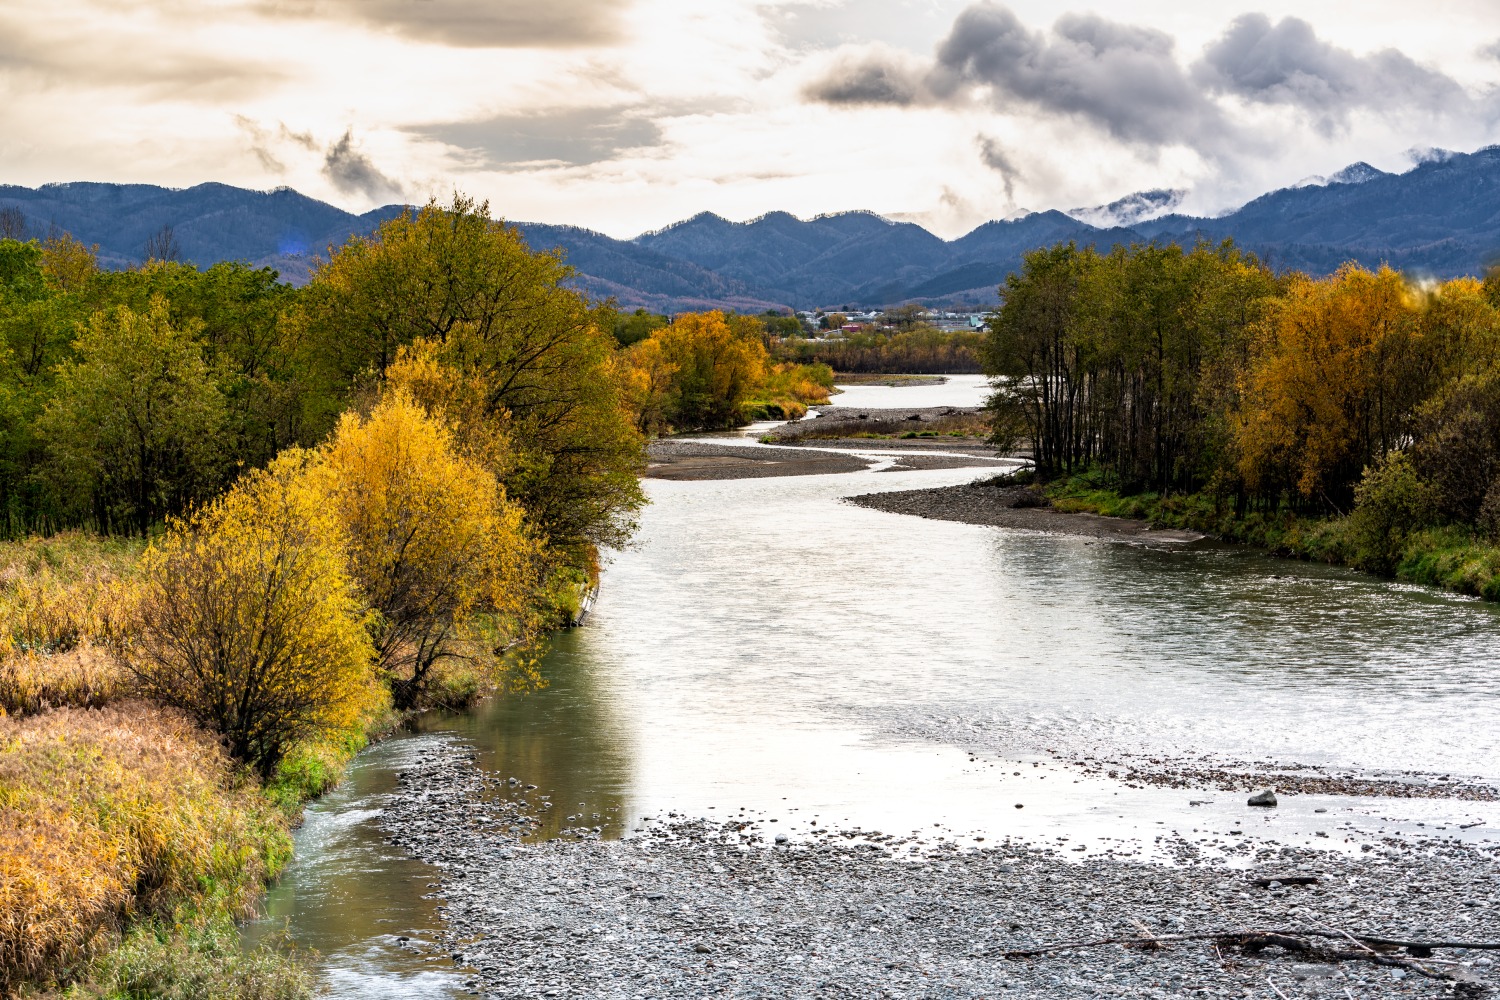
1263 797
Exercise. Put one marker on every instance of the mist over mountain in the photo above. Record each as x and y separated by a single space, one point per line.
1441 218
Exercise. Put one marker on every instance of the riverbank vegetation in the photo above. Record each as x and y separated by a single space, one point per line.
1353 418
709 371
915 347
253 526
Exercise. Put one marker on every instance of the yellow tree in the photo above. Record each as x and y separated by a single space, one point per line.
718 365
502 315
248 621
1331 383
650 377
431 540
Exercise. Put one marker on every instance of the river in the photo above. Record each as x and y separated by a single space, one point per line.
764 647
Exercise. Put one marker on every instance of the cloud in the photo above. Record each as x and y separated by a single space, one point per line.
997 159
574 136
40 54
353 172
1286 63
1123 79
478 23
873 75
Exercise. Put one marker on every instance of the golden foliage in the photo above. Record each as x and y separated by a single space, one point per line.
248 620
1329 383
108 815
498 314
83 677
430 539
479 435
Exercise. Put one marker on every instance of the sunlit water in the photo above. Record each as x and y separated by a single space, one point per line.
766 647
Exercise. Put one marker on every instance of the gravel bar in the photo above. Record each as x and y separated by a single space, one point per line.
987 503
698 908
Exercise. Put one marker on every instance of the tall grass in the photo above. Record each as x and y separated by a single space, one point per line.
119 814
60 598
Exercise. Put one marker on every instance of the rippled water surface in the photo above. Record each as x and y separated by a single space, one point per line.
765 646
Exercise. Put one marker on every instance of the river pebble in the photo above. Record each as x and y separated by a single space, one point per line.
693 908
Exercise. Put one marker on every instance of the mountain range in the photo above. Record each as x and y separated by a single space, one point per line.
1441 218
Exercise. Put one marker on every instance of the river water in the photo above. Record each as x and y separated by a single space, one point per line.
765 647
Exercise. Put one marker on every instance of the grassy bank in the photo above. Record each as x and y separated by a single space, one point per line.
1453 557
130 844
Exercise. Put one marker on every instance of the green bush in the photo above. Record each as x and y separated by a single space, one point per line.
1390 503
155 963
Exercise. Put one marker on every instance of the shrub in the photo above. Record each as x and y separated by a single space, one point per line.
1390 503
248 621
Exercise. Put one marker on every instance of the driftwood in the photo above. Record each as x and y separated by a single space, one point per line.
1377 950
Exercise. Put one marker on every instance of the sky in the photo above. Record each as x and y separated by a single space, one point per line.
628 115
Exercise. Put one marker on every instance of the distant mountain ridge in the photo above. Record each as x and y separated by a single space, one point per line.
1441 218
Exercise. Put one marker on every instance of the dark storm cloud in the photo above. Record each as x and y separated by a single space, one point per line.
353 172
589 135
478 23
868 78
1287 63
1127 80
997 159
1123 79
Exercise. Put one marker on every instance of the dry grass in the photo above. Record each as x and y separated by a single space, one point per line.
61 598
83 677
115 814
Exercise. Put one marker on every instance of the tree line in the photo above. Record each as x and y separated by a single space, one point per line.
1177 370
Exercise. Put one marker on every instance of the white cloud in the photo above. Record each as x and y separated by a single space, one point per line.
662 108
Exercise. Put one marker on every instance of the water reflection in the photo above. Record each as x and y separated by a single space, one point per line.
766 647
350 897
565 739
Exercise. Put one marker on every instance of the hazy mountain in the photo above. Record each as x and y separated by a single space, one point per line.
1440 218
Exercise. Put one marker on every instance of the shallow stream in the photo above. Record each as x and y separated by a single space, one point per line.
767 648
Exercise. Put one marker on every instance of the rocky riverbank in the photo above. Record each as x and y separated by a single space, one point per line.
694 908
996 502
705 460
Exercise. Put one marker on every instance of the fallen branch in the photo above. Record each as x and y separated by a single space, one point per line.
1376 950
1233 936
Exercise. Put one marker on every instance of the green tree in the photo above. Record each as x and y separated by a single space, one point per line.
135 426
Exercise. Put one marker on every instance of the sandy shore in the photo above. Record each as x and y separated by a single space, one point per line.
988 503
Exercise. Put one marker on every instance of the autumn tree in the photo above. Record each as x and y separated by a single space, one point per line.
431 541
135 424
249 622
716 365
499 314
1331 386
649 384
